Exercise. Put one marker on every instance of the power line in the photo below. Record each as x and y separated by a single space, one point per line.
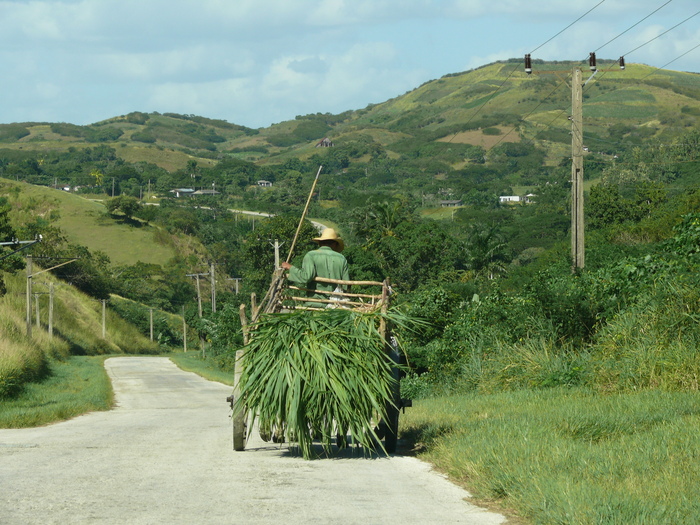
571 24
662 34
633 26
517 66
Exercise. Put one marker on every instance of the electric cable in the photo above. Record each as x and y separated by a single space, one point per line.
633 26
571 24
518 66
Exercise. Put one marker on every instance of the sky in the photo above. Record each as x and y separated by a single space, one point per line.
256 63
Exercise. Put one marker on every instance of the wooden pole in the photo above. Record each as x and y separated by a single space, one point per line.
51 291
104 319
303 215
199 298
271 297
213 288
184 329
36 303
277 253
577 234
29 296
150 311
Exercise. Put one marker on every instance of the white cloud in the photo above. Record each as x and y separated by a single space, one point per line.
256 63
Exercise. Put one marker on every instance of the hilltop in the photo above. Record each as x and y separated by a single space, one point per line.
497 103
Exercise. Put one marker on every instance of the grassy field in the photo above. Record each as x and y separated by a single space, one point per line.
569 456
85 222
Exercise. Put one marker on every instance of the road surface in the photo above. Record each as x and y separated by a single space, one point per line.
164 455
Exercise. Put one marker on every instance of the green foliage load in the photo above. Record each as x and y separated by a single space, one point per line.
321 373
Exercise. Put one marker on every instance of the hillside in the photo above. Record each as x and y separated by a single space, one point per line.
494 104
86 222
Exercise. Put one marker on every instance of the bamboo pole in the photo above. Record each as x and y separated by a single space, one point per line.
331 292
303 215
270 298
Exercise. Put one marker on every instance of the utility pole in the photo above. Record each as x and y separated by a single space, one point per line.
277 247
51 291
184 329
213 288
236 280
104 319
36 303
29 296
199 291
577 237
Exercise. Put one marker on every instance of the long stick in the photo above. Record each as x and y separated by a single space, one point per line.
303 215
268 302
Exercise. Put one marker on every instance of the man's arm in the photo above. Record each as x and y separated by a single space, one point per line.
302 275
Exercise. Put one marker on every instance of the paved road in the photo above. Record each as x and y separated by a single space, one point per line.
164 455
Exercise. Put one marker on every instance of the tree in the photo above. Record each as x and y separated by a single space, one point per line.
260 255
124 204
605 206
486 251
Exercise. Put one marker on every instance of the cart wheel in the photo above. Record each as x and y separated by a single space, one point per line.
240 430
390 428
240 414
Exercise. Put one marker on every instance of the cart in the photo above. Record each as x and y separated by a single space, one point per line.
280 298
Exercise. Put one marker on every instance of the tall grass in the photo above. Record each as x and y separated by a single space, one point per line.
570 456
77 330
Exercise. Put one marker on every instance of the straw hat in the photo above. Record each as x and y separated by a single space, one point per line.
329 234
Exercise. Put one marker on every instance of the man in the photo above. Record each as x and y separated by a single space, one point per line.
326 261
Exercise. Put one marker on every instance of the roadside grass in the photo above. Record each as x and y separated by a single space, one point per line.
205 367
77 326
73 387
569 455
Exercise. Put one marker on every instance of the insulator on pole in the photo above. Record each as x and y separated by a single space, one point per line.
622 62
591 62
528 64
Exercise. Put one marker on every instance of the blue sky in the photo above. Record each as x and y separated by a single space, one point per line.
255 63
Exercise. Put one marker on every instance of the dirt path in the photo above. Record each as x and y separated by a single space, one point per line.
164 455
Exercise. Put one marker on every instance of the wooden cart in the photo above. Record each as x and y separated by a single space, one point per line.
376 295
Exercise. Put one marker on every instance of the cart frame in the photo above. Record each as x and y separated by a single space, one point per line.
290 299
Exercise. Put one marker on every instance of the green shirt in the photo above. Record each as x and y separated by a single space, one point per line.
323 262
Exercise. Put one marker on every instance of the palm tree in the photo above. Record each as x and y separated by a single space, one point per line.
486 250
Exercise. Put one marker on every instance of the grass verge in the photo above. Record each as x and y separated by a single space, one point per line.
207 368
74 386
569 456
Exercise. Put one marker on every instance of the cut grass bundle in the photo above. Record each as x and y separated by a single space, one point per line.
319 374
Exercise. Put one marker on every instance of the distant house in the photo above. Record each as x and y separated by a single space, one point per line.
451 204
325 143
264 183
510 198
182 192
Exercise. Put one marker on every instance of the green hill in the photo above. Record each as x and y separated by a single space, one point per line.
86 222
483 107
